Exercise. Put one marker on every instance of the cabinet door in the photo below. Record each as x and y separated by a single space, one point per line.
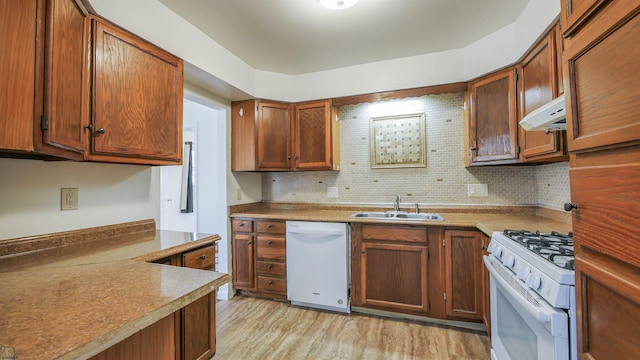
137 99
199 317
608 308
463 274
313 136
538 85
274 136
575 12
493 128
18 33
66 85
243 136
243 261
394 276
601 66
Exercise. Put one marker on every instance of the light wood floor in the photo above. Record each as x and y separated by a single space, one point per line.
249 328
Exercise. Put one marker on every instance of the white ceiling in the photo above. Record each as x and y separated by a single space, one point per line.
300 36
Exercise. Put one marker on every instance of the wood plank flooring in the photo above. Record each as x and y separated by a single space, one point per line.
249 328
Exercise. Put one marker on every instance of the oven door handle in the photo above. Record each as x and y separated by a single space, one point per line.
543 314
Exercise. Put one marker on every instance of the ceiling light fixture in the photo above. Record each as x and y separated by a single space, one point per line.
337 4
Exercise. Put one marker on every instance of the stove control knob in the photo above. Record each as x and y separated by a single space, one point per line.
523 273
509 261
497 251
533 281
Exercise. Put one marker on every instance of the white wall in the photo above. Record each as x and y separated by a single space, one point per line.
155 22
108 194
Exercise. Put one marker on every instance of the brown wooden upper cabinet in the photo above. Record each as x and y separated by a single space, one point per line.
539 82
574 13
601 68
135 89
493 122
44 77
275 136
137 99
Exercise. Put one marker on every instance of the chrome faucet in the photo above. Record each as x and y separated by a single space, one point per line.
396 204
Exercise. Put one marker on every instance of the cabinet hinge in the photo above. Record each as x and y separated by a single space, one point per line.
444 242
517 76
44 122
519 150
445 296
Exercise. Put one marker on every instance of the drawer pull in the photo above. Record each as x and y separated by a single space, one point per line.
269 226
269 242
270 282
241 225
202 257
270 266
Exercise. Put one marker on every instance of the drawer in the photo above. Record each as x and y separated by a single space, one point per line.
271 268
271 284
395 233
271 248
242 226
203 258
271 227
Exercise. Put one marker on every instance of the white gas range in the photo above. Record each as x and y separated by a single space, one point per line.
532 296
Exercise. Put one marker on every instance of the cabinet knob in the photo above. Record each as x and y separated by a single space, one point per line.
89 127
484 247
100 131
297 157
248 242
270 266
288 157
202 257
363 251
569 206
270 282
269 242
241 225
269 226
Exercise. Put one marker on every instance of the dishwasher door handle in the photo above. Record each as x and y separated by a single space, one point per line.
316 234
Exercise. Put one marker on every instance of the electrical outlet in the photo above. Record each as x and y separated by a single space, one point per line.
477 190
69 199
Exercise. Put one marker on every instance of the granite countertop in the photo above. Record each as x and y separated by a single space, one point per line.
485 222
77 300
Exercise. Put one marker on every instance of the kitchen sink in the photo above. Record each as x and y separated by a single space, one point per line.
392 215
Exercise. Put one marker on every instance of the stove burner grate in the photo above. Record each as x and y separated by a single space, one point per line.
555 247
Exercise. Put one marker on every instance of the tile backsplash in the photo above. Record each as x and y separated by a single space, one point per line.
442 182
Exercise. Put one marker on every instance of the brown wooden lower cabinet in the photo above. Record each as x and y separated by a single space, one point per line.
463 275
156 341
390 269
259 258
195 329
608 307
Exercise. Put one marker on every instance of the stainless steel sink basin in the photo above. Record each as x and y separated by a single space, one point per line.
397 216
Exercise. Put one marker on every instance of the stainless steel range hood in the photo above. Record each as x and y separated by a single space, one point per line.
549 117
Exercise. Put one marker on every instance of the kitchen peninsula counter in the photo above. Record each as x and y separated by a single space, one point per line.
486 220
80 298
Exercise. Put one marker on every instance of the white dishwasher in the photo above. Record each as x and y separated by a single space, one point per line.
318 265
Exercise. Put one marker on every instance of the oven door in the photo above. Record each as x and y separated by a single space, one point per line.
523 325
